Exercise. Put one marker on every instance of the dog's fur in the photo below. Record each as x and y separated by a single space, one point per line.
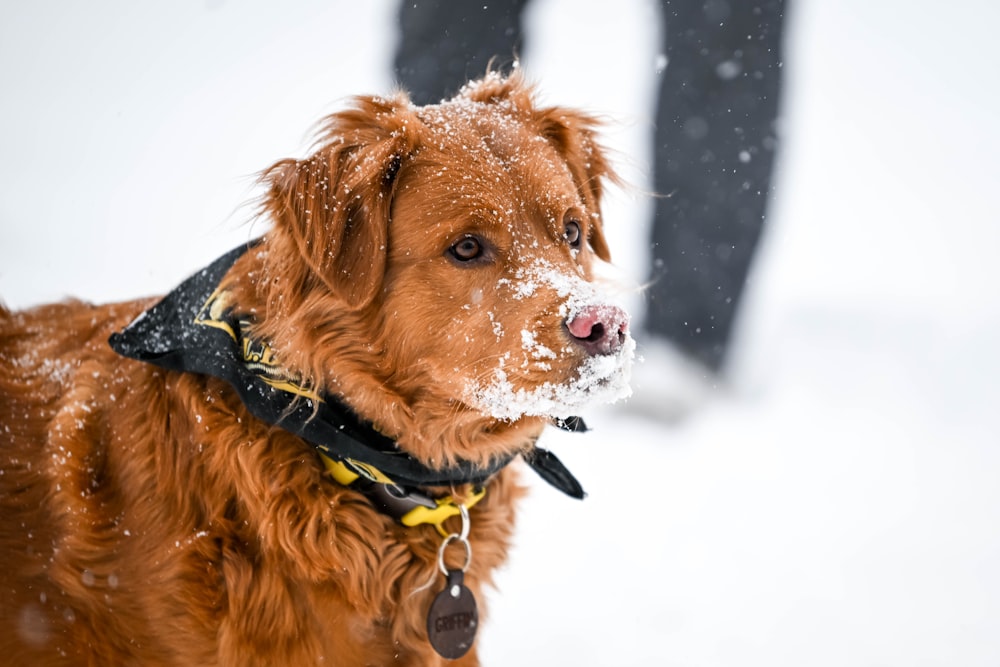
147 518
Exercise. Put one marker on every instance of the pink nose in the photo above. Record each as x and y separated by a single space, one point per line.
599 329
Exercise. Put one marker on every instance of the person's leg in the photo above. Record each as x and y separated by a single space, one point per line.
715 141
444 44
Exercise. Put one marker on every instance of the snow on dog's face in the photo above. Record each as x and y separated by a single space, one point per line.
435 266
494 237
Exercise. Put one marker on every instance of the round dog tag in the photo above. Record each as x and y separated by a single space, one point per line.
453 619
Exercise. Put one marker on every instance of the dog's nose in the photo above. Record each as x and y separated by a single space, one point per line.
599 329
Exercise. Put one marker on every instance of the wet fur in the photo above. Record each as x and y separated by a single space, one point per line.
147 518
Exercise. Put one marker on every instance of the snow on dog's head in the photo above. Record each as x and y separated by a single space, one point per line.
498 234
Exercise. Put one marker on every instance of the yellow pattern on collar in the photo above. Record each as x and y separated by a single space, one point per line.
349 471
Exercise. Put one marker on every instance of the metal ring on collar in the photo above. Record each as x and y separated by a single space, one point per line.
462 537
444 545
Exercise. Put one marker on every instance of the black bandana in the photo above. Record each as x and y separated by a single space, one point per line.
196 329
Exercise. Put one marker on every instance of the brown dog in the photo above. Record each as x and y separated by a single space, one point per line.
423 305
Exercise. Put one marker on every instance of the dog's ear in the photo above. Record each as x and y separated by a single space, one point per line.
335 204
572 133
574 136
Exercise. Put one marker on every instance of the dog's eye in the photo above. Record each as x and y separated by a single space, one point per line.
573 234
467 249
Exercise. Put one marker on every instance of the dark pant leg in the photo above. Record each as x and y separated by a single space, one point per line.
715 143
444 44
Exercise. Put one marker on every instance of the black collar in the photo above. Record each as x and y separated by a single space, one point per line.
190 331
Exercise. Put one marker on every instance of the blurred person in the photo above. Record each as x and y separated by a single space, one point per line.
714 146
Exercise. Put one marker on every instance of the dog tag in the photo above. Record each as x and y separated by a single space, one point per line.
453 619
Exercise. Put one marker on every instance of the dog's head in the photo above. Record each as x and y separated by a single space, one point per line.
439 263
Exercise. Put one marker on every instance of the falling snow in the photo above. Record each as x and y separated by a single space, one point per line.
835 505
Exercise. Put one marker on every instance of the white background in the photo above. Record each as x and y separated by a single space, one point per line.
833 502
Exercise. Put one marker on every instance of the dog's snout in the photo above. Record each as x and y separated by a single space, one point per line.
599 329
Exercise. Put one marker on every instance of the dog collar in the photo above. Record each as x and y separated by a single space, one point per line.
408 506
195 329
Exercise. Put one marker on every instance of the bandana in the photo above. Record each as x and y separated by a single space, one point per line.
198 329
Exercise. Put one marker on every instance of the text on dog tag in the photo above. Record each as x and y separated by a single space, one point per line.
453 619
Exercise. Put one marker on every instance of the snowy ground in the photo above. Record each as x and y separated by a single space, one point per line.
836 503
